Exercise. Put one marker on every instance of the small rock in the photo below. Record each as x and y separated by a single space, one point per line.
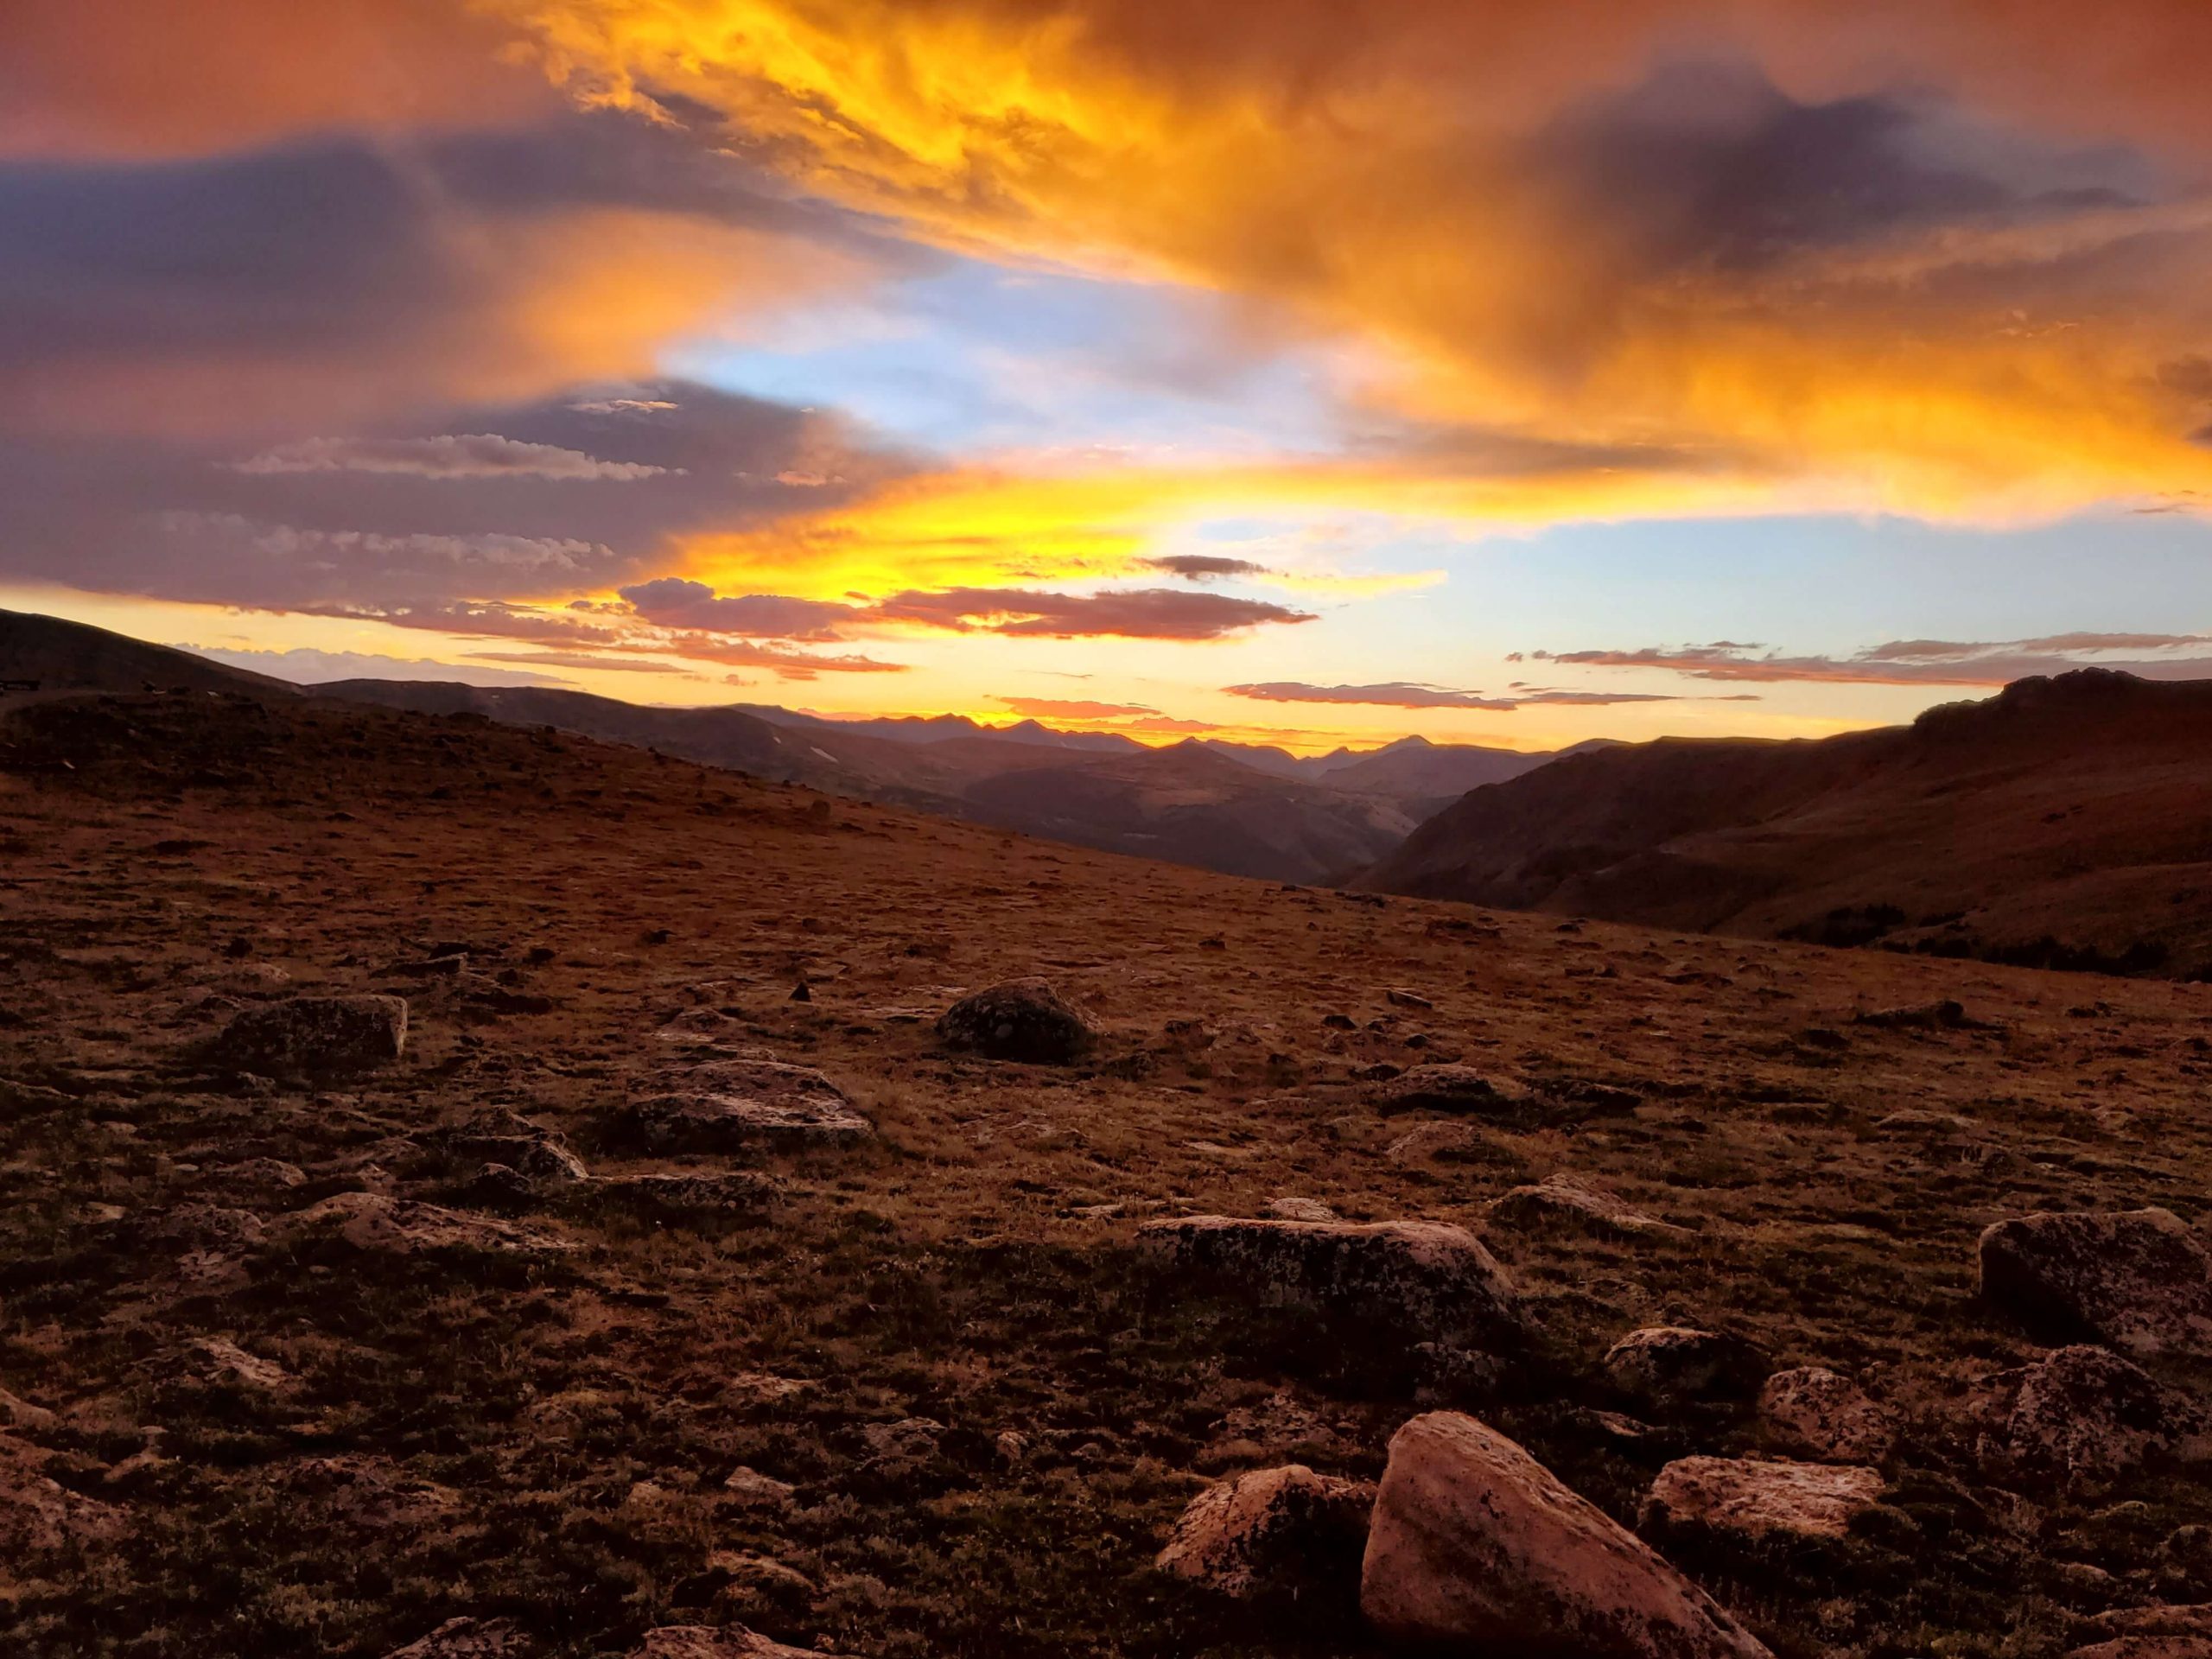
20 1413
1946 1015
1444 1143
315 1038
1398 998
468 1638
732 1106
219 1361
1018 1020
1271 1530
372 1223
751 1490
1760 1500
1444 1089
2138 1281
1569 1199
1425 1278
718 1642
1300 1210
1475 1547
1675 1365
1816 1413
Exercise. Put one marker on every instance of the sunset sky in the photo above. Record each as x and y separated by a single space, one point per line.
1294 370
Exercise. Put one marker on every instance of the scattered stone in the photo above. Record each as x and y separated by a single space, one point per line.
2084 1414
1923 1125
1814 1413
378 1225
1300 1210
1020 1019
1422 1277
1271 1530
499 1135
2138 1280
1571 1200
1445 1143
723 1641
38 1513
1946 1015
736 1106
315 1038
750 1489
20 1413
802 992
221 1363
1398 998
1675 1365
466 1638
1760 1500
1475 1546
1443 1089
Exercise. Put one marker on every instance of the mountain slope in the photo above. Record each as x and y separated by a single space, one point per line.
2065 821
62 657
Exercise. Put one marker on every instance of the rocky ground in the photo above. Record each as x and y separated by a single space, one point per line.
674 1274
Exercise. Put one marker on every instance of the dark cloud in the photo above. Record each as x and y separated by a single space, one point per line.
1399 693
1203 567
476 454
672 602
1139 614
1919 662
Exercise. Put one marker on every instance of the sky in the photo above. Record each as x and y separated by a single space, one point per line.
1278 370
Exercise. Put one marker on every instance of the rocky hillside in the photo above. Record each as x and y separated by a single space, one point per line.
2064 823
472 1191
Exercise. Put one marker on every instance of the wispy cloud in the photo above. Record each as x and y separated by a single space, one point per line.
1916 662
1399 693
476 454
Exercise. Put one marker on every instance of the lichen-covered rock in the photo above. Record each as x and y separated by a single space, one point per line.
1676 1365
1422 1278
1814 1413
2083 1414
739 1106
468 1638
1475 1547
383 1226
1283 1529
1760 1500
1569 1201
716 1642
2140 1279
1018 1020
316 1039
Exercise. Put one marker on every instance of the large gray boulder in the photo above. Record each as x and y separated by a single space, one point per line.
1475 1547
1425 1279
2139 1280
1018 1020
314 1038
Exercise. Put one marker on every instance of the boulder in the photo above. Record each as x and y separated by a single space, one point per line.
2139 1281
500 1135
1018 1020
1422 1278
716 1642
1475 1547
1760 1500
1270 1529
737 1106
2083 1414
468 1638
1675 1365
314 1038
377 1225
1447 1088
1814 1413
1567 1200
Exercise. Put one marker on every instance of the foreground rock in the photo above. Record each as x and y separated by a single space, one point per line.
1270 1529
1422 1278
1760 1500
1676 1365
2139 1279
1569 1201
314 1038
1018 1020
1814 1413
1475 1547
738 1106
383 1226
2084 1414
712 1642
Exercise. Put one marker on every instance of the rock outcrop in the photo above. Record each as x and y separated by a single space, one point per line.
1018 1020
1420 1278
1475 1547
1760 1500
1816 1413
1270 1529
314 1038
740 1106
2139 1280
1569 1201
